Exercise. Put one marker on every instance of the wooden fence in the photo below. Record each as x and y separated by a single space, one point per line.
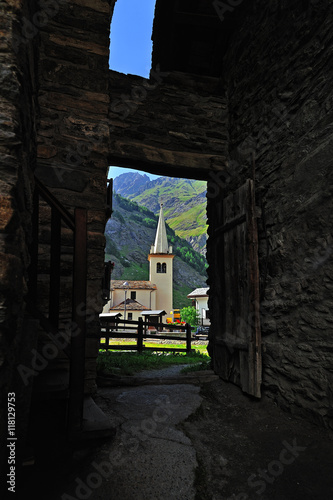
141 331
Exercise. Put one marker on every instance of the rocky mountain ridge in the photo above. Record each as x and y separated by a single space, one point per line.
184 203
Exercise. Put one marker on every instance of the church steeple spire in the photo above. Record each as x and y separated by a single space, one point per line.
161 241
161 267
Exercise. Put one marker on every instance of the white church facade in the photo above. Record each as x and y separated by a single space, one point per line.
135 299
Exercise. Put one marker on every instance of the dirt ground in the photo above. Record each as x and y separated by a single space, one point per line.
249 449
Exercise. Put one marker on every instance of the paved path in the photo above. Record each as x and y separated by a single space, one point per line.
246 449
150 459
170 371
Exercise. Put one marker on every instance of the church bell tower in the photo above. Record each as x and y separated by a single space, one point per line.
161 267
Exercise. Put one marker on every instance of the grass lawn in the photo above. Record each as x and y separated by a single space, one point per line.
128 363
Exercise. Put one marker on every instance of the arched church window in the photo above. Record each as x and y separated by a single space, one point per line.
164 267
158 267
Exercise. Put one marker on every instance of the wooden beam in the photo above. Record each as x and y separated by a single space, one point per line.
79 304
164 161
53 202
54 296
229 225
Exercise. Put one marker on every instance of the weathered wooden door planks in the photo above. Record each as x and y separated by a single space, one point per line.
237 340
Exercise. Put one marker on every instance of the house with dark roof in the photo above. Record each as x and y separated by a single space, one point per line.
199 298
130 307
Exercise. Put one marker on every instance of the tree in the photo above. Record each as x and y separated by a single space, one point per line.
189 315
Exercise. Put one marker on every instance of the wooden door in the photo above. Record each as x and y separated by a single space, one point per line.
237 339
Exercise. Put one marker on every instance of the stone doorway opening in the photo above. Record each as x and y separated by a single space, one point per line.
132 230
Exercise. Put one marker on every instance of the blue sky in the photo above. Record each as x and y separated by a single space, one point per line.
131 45
115 171
131 30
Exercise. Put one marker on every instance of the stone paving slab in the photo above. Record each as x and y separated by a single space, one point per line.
150 459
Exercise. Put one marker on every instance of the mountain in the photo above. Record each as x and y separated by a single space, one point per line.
184 203
129 184
129 235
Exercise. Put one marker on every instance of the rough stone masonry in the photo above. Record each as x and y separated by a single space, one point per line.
257 83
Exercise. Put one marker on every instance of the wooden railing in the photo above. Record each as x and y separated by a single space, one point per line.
141 331
50 321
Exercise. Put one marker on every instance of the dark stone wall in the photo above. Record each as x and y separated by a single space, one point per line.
170 124
279 82
275 101
54 109
73 140
17 162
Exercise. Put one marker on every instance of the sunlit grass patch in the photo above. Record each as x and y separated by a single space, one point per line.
201 348
128 363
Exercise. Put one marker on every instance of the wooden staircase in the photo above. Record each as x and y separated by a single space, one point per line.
61 340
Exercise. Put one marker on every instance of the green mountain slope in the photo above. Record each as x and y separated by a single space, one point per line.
184 203
129 235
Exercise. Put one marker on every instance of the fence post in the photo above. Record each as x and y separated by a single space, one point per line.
188 338
140 335
107 335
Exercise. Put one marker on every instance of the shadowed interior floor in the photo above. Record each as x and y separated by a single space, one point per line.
183 441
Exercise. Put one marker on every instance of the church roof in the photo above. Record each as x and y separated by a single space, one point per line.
161 240
131 305
132 285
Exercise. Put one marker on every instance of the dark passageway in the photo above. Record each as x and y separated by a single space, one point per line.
240 96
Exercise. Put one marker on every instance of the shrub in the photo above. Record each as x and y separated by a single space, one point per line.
189 315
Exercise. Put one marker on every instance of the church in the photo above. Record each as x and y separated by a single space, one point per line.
135 299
